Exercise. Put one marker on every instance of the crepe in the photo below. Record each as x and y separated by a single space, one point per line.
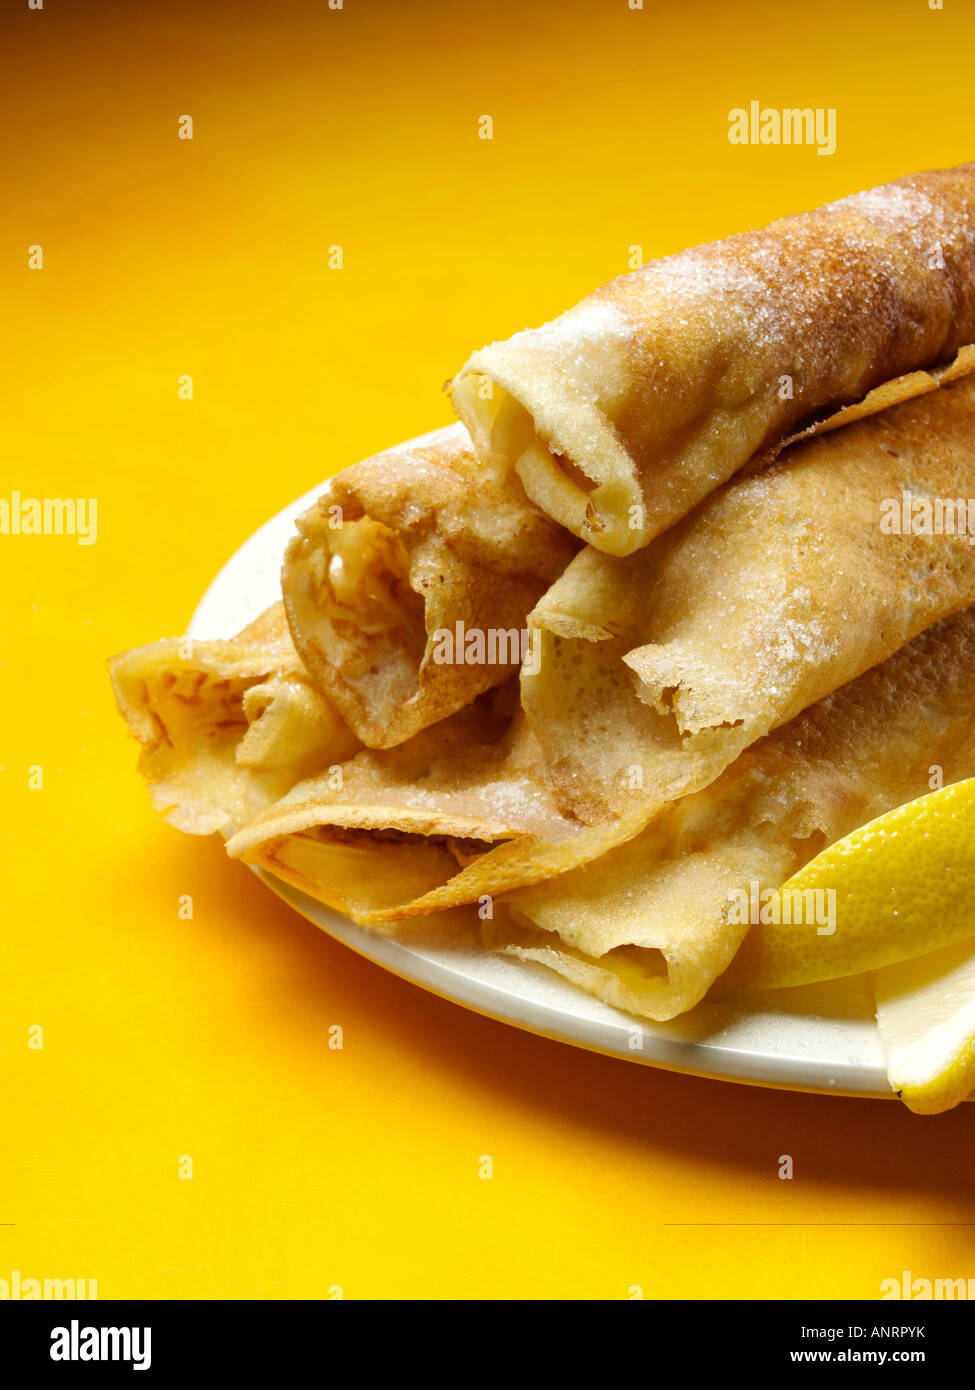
409 582
657 670
624 413
392 825
226 727
647 928
774 593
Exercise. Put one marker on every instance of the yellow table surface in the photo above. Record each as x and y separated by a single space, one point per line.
316 1169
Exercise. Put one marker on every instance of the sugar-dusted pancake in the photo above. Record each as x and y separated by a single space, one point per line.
403 559
658 669
391 825
647 927
226 727
624 413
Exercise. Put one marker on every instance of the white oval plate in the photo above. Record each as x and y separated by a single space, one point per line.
822 1038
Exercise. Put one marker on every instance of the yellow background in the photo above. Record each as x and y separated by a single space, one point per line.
165 1037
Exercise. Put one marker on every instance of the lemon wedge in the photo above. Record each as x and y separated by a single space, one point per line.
926 1017
897 888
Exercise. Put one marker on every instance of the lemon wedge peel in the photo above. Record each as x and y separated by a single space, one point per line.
904 886
926 1017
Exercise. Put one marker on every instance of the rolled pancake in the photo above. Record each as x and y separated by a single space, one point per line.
226 728
407 546
392 825
624 413
646 928
656 671
790 570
